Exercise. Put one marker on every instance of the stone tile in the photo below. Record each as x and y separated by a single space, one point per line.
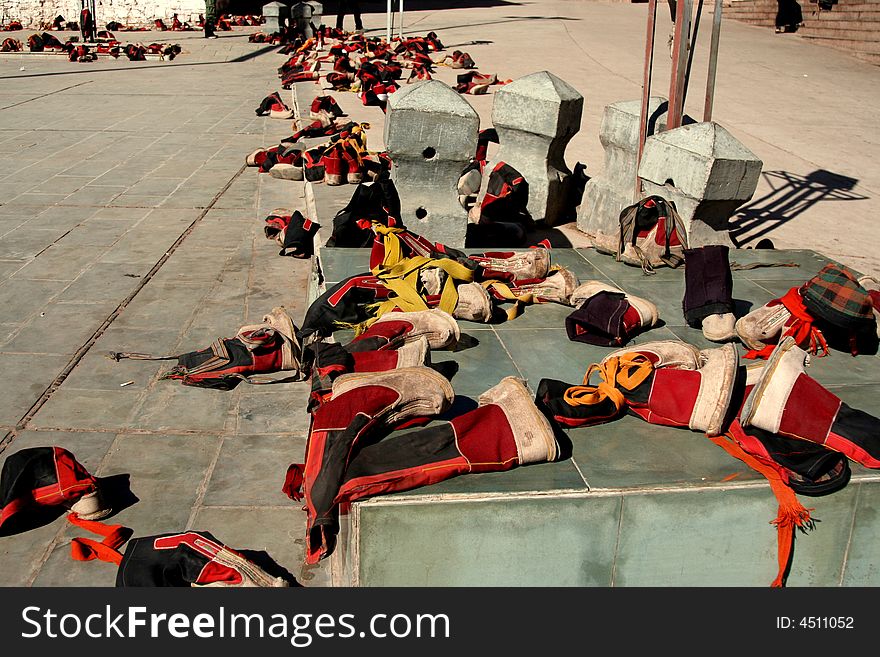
9 267
22 554
171 406
26 243
126 215
155 186
135 248
819 554
133 201
865 397
60 219
629 453
276 532
250 470
98 372
32 376
529 541
838 368
535 316
63 184
778 287
480 367
862 568
166 475
29 198
63 329
338 264
262 410
98 232
82 409
704 538
94 195
105 282
61 570
161 306
61 262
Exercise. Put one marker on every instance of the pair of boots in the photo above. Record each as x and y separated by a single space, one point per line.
775 418
344 463
381 386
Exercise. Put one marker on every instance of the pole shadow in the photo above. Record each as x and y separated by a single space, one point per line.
790 195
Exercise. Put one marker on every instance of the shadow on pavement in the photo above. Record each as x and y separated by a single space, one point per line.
791 194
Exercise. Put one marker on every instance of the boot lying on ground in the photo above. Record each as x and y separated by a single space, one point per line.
708 294
833 300
272 346
787 401
362 405
607 316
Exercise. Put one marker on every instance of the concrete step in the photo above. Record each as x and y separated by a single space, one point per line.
844 43
854 29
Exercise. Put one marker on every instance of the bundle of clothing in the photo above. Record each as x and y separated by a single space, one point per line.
38 484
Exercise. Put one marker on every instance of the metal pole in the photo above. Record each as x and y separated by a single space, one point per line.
646 91
713 62
693 44
389 16
676 81
401 20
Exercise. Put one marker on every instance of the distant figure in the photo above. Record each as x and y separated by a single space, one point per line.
789 16
210 18
349 6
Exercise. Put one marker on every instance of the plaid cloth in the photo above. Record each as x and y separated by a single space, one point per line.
834 295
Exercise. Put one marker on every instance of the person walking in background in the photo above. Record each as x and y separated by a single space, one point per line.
210 18
349 6
789 16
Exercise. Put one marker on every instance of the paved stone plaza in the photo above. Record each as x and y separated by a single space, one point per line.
128 222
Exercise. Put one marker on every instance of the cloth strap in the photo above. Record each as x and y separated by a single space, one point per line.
87 549
791 514
628 371
801 328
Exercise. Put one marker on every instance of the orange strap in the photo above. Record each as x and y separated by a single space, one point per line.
791 512
801 329
86 549
628 371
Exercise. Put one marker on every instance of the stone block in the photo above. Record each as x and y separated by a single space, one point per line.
606 195
431 134
275 15
301 15
536 116
317 13
706 172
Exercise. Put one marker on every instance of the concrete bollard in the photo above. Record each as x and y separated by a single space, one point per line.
317 13
606 195
431 135
276 14
536 116
301 19
706 171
